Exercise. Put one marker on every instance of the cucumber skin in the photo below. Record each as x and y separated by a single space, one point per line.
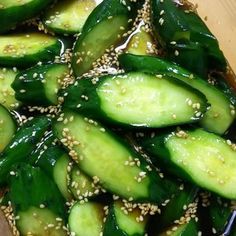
92 107
35 90
11 16
158 190
46 55
22 144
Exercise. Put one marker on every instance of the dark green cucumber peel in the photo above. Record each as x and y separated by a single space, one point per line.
95 160
24 50
220 115
39 85
33 195
122 99
173 24
12 14
103 28
22 145
7 127
192 56
119 223
200 157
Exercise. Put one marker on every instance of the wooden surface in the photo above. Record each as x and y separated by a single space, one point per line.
220 17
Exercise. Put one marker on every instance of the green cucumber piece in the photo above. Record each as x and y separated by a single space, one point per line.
141 42
55 161
136 99
22 144
7 94
13 12
69 17
39 85
103 28
106 159
185 229
173 24
218 117
204 158
192 56
82 186
182 201
7 127
219 212
118 223
86 219
37 201
24 50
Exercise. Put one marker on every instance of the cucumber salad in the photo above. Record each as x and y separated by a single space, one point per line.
117 118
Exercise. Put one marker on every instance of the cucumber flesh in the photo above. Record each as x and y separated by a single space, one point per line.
40 222
86 219
203 158
7 127
94 146
81 185
103 29
7 94
60 175
24 50
94 45
122 224
143 100
141 42
69 17
218 117
13 12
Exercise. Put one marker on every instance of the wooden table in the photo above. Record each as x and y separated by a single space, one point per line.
220 16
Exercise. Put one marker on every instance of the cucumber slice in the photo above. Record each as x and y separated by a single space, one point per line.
137 99
37 201
15 11
69 17
218 117
121 224
81 186
106 159
7 128
86 219
103 28
201 157
39 85
24 50
7 94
